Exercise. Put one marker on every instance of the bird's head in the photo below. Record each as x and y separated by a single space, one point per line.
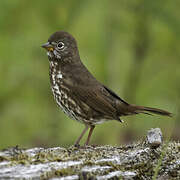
61 46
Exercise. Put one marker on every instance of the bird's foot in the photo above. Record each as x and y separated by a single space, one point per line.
77 145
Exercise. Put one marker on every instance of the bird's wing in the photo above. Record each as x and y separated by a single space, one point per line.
123 108
110 92
95 95
96 100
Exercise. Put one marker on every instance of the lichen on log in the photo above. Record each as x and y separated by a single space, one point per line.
140 160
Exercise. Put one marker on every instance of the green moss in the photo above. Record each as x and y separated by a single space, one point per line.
139 158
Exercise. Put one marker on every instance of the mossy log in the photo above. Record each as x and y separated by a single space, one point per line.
146 159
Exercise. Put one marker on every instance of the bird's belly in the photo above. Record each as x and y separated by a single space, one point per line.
71 108
67 104
62 96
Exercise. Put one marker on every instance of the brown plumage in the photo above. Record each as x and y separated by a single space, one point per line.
78 93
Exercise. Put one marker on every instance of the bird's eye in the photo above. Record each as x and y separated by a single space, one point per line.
60 45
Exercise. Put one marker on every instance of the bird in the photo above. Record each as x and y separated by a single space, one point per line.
78 93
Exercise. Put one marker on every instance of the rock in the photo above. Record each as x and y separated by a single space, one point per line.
135 161
154 137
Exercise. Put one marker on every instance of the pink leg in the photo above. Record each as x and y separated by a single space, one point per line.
82 134
89 135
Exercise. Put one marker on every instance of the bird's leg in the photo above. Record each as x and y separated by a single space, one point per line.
89 135
82 134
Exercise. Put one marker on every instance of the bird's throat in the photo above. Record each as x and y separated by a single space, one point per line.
53 55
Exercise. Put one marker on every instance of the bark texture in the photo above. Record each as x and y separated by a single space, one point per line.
146 159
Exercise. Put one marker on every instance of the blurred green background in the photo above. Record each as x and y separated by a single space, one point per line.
131 46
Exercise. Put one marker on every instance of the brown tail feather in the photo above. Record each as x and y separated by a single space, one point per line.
146 110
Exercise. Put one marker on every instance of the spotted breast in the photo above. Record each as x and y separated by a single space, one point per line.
61 94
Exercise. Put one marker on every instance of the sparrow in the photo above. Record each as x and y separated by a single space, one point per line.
78 93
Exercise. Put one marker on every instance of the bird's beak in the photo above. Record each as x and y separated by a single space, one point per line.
48 46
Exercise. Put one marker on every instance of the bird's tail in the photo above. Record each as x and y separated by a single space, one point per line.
149 110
